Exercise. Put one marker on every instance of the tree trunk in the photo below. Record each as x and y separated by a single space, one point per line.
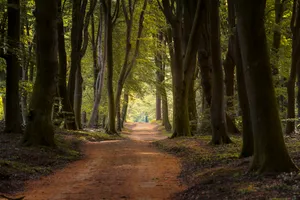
229 65
165 110
12 118
80 47
205 64
103 121
158 97
248 145
218 120
270 153
83 118
67 108
192 107
159 64
78 97
94 43
279 80
124 108
99 68
164 97
111 126
39 130
78 13
279 9
24 95
295 68
184 50
180 95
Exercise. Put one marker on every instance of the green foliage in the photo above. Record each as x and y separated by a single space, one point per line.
92 135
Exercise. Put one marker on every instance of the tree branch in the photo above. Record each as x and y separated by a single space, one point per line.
137 45
116 12
86 26
193 34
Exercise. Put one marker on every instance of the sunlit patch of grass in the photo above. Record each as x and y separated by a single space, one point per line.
10 167
92 135
246 189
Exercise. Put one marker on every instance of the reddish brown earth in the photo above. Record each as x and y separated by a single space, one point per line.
124 169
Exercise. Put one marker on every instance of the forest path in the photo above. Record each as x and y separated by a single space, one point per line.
123 169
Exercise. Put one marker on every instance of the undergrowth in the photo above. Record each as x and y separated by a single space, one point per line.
217 172
19 163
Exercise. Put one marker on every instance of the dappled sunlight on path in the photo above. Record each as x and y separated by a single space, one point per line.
124 169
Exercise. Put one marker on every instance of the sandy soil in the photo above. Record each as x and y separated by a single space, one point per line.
125 169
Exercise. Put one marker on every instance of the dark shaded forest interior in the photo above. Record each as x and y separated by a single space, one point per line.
211 87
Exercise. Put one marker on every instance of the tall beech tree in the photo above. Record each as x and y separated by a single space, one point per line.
158 57
229 65
270 153
109 21
67 108
161 94
79 43
205 62
181 55
165 107
128 64
39 130
248 144
79 79
295 66
218 120
13 112
78 14
99 69
125 107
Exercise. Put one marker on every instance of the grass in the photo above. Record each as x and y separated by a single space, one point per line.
91 135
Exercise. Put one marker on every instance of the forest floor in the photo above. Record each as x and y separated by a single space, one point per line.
136 166
129 168
19 164
217 172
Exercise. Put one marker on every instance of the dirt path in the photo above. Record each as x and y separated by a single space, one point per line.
127 169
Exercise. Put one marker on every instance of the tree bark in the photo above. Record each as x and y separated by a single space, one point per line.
13 113
39 130
205 63
158 96
111 126
192 106
78 13
295 68
248 144
270 153
229 66
279 9
124 108
78 97
67 108
181 56
79 48
218 120
159 64
100 70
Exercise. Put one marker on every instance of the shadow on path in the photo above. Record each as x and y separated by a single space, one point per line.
125 169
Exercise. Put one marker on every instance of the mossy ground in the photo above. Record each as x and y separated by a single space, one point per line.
18 163
217 172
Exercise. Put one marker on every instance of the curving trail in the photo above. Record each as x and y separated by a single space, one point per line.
125 169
